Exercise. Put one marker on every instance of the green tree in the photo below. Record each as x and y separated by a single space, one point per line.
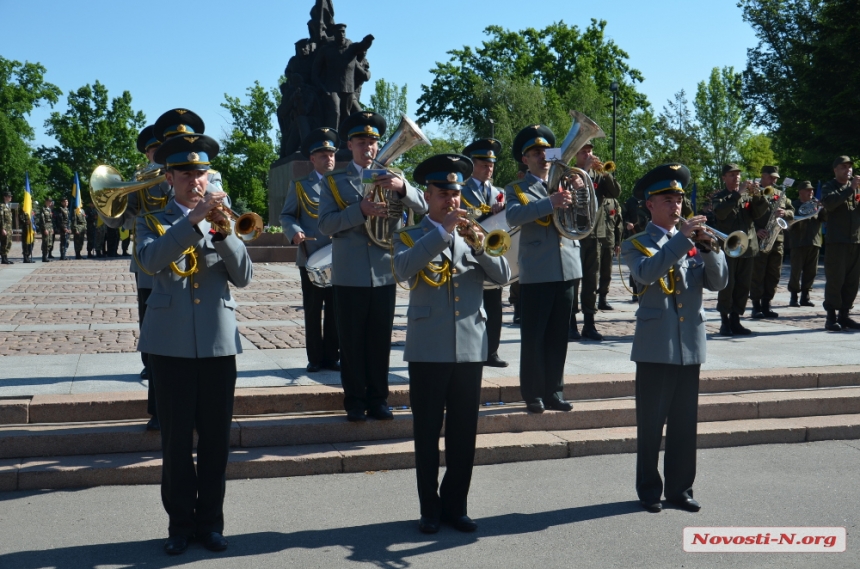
530 76
801 80
94 130
677 137
249 149
756 151
723 121
390 101
22 88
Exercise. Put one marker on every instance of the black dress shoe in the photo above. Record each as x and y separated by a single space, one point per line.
380 412
334 366
428 525
153 424
493 360
686 504
653 507
313 368
176 544
356 415
460 523
214 541
536 406
558 404
144 374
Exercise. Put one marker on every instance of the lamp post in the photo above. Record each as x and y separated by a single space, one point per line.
614 88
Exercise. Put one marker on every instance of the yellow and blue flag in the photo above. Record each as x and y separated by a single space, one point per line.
28 235
76 194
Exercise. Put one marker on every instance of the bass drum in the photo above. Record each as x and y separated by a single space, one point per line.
499 221
319 267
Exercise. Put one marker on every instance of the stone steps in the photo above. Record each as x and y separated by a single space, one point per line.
34 440
492 448
121 406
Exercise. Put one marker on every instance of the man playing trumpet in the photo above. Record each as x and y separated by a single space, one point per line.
446 337
674 267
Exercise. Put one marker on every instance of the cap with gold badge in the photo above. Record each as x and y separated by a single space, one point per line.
446 171
187 152
178 121
664 179
534 136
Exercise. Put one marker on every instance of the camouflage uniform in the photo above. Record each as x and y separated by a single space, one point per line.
6 226
45 227
767 267
614 228
79 231
26 248
62 227
805 240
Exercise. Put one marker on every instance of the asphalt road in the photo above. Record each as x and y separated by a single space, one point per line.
578 512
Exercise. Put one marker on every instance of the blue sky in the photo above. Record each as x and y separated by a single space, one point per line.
167 56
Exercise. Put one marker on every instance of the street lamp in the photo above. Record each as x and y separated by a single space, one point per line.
614 88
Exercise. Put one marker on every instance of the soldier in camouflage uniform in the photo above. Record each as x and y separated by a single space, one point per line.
26 248
6 228
63 226
805 240
92 222
767 267
79 231
609 246
45 226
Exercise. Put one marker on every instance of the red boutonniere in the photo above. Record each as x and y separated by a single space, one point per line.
857 197
692 252
776 198
612 212
500 198
746 205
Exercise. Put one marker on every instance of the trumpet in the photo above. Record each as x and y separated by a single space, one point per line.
734 244
248 226
603 167
752 189
495 243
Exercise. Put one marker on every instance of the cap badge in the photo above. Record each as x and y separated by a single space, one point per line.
675 166
535 126
181 111
368 115
181 128
540 140
452 177
327 143
674 184
325 129
190 139
193 157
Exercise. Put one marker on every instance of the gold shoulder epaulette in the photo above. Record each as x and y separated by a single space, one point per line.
640 234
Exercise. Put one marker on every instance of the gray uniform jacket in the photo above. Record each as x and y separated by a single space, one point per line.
295 219
129 216
670 328
475 193
545 256
190 317
446 323
356 261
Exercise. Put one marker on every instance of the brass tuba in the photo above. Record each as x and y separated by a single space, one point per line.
579 218
110 193
406 137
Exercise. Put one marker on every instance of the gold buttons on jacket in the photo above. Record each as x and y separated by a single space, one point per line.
196 301
196 285
680 305
456 285
681 319
456 299
457 313
677 279
454 271
677 292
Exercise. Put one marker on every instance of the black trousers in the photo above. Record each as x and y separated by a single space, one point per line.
589 253
804 267
767 269
449 392
194 393
544 322
493 308
142 296
365 319
321 342
668 395
734 297
842 275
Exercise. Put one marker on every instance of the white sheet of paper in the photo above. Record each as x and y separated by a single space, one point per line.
553 153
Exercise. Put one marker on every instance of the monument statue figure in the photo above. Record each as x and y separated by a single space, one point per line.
334 73
321 23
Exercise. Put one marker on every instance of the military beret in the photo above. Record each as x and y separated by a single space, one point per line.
665 179
804 185
730 168
842 160
446 171
192 152
324 138
147 139
484 149
362 123
178 121
772 170
533 136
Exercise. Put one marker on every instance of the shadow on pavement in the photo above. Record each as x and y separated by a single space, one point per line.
387 544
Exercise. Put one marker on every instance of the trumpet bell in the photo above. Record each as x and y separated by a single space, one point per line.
734 244
497 243
249 226
110 193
